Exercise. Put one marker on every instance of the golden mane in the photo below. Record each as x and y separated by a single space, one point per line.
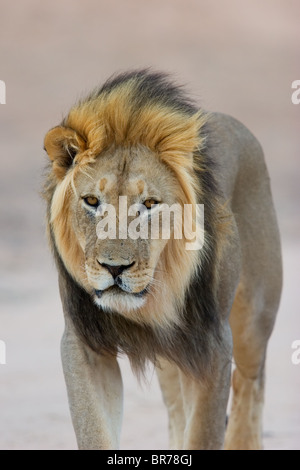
123 115
126 112
117 117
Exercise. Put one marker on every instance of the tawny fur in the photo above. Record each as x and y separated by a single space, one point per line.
140 133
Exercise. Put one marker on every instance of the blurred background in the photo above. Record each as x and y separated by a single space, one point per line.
236 56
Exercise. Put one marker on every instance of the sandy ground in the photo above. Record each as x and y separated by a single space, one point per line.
236 57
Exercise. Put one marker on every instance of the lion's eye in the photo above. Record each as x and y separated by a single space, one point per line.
150 202
91 201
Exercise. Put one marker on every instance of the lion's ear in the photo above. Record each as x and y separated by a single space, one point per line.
62 145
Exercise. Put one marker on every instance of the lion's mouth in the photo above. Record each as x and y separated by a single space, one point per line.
118 290
116 299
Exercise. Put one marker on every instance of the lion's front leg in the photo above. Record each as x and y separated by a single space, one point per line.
95 393
205 404
168 376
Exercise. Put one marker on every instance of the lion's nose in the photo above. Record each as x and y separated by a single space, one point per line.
115 271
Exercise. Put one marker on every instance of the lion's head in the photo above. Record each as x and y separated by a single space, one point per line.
124 140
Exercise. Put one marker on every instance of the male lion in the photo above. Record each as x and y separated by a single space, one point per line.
153 299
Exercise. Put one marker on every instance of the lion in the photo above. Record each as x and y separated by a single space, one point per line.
186 311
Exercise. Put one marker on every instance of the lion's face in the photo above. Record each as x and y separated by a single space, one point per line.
121 272
121 143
